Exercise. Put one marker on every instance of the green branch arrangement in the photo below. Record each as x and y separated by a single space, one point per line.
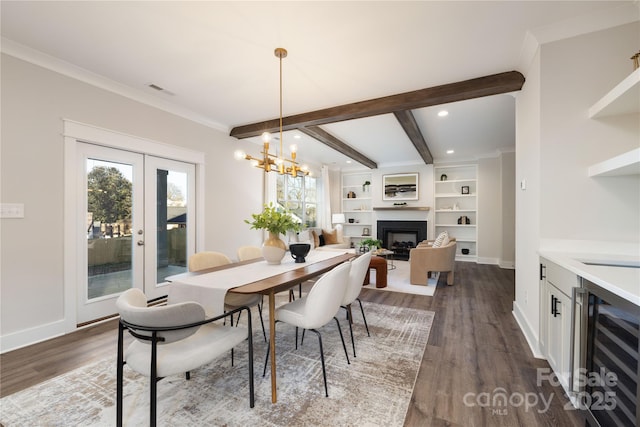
274 219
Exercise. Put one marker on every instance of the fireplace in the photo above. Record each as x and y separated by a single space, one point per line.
401 236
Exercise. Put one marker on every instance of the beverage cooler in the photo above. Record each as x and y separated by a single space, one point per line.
609 378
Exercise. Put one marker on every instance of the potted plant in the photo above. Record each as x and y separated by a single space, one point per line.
276 220
371 243
365 186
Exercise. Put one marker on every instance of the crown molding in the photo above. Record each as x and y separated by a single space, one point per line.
59 66
584 24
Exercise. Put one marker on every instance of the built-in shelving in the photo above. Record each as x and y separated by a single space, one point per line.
357 205
456 196
624 164
622 99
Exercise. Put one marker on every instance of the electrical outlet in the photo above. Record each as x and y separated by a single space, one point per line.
12 210
526 297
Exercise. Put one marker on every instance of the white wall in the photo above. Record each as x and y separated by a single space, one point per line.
555 144
489 211
34 102
508 184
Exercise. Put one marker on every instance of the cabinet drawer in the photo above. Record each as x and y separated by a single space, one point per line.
560 277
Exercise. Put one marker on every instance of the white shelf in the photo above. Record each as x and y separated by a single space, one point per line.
622 99
456 225
454 195
454 210
447 181
356 198
624 164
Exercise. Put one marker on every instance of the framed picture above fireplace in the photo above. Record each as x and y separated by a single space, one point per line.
402 186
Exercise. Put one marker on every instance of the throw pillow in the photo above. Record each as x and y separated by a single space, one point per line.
330 236
440 239
316 239
321 241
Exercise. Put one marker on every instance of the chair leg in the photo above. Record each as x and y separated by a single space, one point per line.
364 317
264 332
324 371
350 318
153 383
119 376
250 362
266 361
344 346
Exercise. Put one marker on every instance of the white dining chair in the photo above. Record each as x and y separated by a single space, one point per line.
316 309
249 252
172 339
209 259
359 267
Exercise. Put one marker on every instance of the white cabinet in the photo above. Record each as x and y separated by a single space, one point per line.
357 205
622 99
456 207
556 313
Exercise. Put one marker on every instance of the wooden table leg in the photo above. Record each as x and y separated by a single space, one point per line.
272 343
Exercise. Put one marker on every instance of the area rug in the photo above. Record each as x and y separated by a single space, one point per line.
398 281
374 390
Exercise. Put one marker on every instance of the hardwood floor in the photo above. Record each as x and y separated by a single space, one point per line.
475 354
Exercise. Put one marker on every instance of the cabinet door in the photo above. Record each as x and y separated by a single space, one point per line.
558 332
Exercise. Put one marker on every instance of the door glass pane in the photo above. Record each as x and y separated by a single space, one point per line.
109 237
171 203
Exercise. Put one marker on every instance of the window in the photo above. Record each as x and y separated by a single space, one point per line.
299 195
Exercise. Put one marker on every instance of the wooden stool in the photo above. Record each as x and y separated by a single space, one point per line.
380 265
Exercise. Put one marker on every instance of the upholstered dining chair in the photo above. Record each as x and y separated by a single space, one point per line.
209 259
249 252
316 309
359 267
172 339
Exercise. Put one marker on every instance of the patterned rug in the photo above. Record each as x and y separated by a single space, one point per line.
374 390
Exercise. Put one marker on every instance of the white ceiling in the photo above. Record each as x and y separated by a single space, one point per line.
216 62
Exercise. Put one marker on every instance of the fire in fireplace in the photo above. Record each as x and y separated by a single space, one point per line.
401 236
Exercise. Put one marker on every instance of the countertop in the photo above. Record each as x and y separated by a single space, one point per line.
622 281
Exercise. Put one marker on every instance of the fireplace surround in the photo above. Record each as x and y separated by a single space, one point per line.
401 236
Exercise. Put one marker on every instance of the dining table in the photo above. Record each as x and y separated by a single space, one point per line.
209 287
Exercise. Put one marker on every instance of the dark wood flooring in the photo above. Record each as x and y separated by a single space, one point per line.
476 354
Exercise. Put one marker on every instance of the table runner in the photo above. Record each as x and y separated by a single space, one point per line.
209 289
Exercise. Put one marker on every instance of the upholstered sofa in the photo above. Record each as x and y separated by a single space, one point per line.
335 238
425 259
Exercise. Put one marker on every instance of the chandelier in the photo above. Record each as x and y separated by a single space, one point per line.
276 162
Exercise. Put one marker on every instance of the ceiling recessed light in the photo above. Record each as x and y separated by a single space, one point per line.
349 161
443 113
450 151
297 136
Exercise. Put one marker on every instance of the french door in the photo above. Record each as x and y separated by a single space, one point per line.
134 225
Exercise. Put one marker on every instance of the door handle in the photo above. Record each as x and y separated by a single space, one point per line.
140 242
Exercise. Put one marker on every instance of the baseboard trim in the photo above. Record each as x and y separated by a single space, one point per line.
528 331
31 336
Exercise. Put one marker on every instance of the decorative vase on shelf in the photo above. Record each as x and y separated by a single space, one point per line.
273 249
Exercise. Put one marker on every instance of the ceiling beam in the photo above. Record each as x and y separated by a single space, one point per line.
410 126
468 89
331 141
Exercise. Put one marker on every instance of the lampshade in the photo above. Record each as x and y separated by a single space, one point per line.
338 218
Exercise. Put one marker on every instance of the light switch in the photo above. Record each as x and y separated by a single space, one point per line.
12 210
523 184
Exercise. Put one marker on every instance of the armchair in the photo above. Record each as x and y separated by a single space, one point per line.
425 259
